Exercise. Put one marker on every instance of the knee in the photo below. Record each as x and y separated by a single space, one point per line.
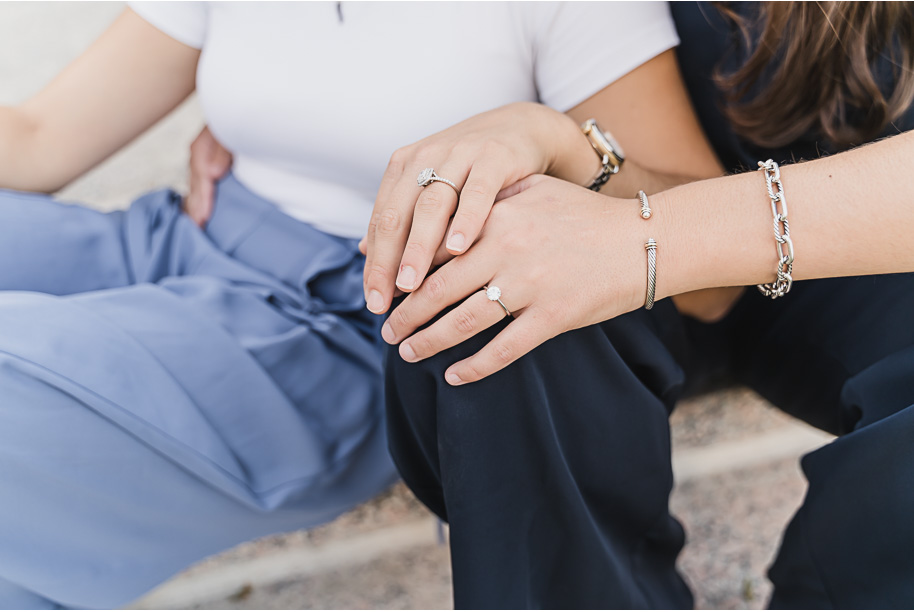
878 392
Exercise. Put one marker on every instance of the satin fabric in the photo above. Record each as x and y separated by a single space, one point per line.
167 392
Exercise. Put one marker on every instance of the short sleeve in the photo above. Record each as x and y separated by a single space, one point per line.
581 47
183 21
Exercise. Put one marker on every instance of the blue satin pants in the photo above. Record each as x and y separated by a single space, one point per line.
168 392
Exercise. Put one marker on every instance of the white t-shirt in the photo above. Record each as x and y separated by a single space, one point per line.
313 97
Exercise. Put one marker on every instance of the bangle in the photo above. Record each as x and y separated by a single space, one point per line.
607 149
781 286
645 205
651 246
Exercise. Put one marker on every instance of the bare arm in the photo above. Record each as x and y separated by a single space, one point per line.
126 81
850 214
564 259
648 111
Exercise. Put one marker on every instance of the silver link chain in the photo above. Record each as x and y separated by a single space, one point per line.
781 286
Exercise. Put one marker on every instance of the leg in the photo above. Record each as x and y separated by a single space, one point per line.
840 354
554 474
14 597
145 427
162 439
59 249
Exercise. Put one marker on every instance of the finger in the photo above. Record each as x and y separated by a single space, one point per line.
450 283
363 245
520 337
522 185
219 161
199 203
387 224
476 199
475 314
441 256
432 212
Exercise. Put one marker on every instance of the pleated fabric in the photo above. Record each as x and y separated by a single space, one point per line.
167 392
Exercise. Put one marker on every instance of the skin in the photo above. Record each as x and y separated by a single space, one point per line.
209 162
565 257
414 229
647 109
131 77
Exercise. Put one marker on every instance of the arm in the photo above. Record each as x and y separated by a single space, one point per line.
126 81
850 214
648 110
564 259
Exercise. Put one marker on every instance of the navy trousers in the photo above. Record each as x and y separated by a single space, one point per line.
554 474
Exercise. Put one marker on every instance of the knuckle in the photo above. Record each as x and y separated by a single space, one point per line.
435 288
502 353
469 217
551 313
493 148
422 345
472 371
429 202
399 319
415 250
377 275
464 321
399 159
387 221
426 152
466 147
477 191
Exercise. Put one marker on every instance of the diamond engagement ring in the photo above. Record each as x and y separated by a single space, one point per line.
428 176
493 293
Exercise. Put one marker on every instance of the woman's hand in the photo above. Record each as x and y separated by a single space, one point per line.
563 256
209 161
481 155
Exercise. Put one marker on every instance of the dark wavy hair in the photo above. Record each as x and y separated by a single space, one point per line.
812 68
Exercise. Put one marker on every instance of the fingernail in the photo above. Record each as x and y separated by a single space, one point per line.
452 378
375 301
387 332
407 352
407 278
456 242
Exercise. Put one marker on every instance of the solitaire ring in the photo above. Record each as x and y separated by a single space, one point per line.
428 176
493 293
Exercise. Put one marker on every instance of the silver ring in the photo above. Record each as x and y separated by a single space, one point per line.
428 176
493 294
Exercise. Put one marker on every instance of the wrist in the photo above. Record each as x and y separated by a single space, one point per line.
713 233
573 158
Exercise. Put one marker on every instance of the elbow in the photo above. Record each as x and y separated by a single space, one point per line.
29 159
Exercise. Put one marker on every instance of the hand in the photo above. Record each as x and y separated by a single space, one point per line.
481 155
564 258
209 161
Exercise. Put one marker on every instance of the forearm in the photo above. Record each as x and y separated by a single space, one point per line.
849 214
17 137
127 80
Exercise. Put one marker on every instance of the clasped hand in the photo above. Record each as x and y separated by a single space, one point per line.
564 258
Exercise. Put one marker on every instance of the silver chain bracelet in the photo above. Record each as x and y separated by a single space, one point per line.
781 286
